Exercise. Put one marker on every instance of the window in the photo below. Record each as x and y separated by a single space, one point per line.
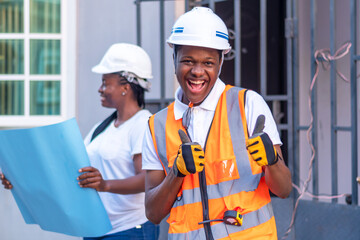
35 77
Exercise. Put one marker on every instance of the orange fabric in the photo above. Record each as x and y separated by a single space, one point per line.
185 218
265 231
219 138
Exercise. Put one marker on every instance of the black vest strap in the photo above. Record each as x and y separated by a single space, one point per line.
104 125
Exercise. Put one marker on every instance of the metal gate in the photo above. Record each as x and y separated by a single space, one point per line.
311 219
314 218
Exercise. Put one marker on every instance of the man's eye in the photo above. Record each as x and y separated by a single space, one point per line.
186 61
209 63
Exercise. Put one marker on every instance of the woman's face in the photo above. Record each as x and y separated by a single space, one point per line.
111 91
196 69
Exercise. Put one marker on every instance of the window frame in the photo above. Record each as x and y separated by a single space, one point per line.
67 76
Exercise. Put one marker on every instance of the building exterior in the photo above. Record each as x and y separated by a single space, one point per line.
48 47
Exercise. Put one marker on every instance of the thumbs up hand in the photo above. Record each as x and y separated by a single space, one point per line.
190 158
260 145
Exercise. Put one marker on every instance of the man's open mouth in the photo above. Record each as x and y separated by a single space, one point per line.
196 85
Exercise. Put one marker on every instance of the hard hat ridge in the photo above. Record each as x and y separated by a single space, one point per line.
200 27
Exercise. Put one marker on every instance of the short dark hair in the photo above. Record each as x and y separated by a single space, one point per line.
138 91
139 94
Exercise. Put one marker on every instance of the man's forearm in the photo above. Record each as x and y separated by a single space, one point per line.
160 199
278 177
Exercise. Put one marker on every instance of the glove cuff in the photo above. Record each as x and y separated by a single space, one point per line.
276 159
176 171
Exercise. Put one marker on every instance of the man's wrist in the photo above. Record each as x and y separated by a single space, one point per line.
276 159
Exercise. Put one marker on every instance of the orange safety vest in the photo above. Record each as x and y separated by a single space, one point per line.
231 179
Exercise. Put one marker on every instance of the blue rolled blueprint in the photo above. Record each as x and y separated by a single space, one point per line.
42 164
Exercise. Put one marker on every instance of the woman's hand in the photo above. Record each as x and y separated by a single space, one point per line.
5 182
92 178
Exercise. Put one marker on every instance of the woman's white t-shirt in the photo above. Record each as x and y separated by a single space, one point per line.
112 152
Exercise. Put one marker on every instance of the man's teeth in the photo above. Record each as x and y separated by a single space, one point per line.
196 81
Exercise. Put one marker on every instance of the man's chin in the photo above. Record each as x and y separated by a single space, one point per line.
196 100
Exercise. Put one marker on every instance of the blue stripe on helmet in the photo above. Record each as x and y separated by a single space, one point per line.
177 30
222 35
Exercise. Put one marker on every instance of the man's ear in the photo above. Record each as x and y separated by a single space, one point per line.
174 60
221 62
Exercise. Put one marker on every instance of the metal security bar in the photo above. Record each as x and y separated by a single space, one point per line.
155 104
292 73
355 57
314 136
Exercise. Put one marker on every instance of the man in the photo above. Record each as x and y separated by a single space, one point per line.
216 185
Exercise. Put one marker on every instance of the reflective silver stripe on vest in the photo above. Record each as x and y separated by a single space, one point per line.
219 190
221 230
193 235
159 128
237 132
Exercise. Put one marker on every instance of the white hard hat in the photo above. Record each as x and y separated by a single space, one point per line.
125 57
200 27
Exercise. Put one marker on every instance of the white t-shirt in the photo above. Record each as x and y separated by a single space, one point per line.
201 117
112 152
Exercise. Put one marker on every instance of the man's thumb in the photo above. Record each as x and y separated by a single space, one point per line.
259 125
184 138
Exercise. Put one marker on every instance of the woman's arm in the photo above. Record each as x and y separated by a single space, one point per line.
92 178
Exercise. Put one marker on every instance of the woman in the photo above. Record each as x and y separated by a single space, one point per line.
114 145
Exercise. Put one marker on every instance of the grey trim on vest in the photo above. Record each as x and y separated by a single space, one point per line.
219 190
236 130
221 230
196 234
159 128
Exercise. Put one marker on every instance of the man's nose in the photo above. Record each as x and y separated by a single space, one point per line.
197 70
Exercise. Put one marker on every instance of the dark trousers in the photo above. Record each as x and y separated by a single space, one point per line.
147 231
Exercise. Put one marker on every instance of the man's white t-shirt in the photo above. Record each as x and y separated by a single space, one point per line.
201 118
112 152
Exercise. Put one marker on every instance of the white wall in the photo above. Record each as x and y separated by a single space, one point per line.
100 24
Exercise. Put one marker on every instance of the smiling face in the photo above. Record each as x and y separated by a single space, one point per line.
196 69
